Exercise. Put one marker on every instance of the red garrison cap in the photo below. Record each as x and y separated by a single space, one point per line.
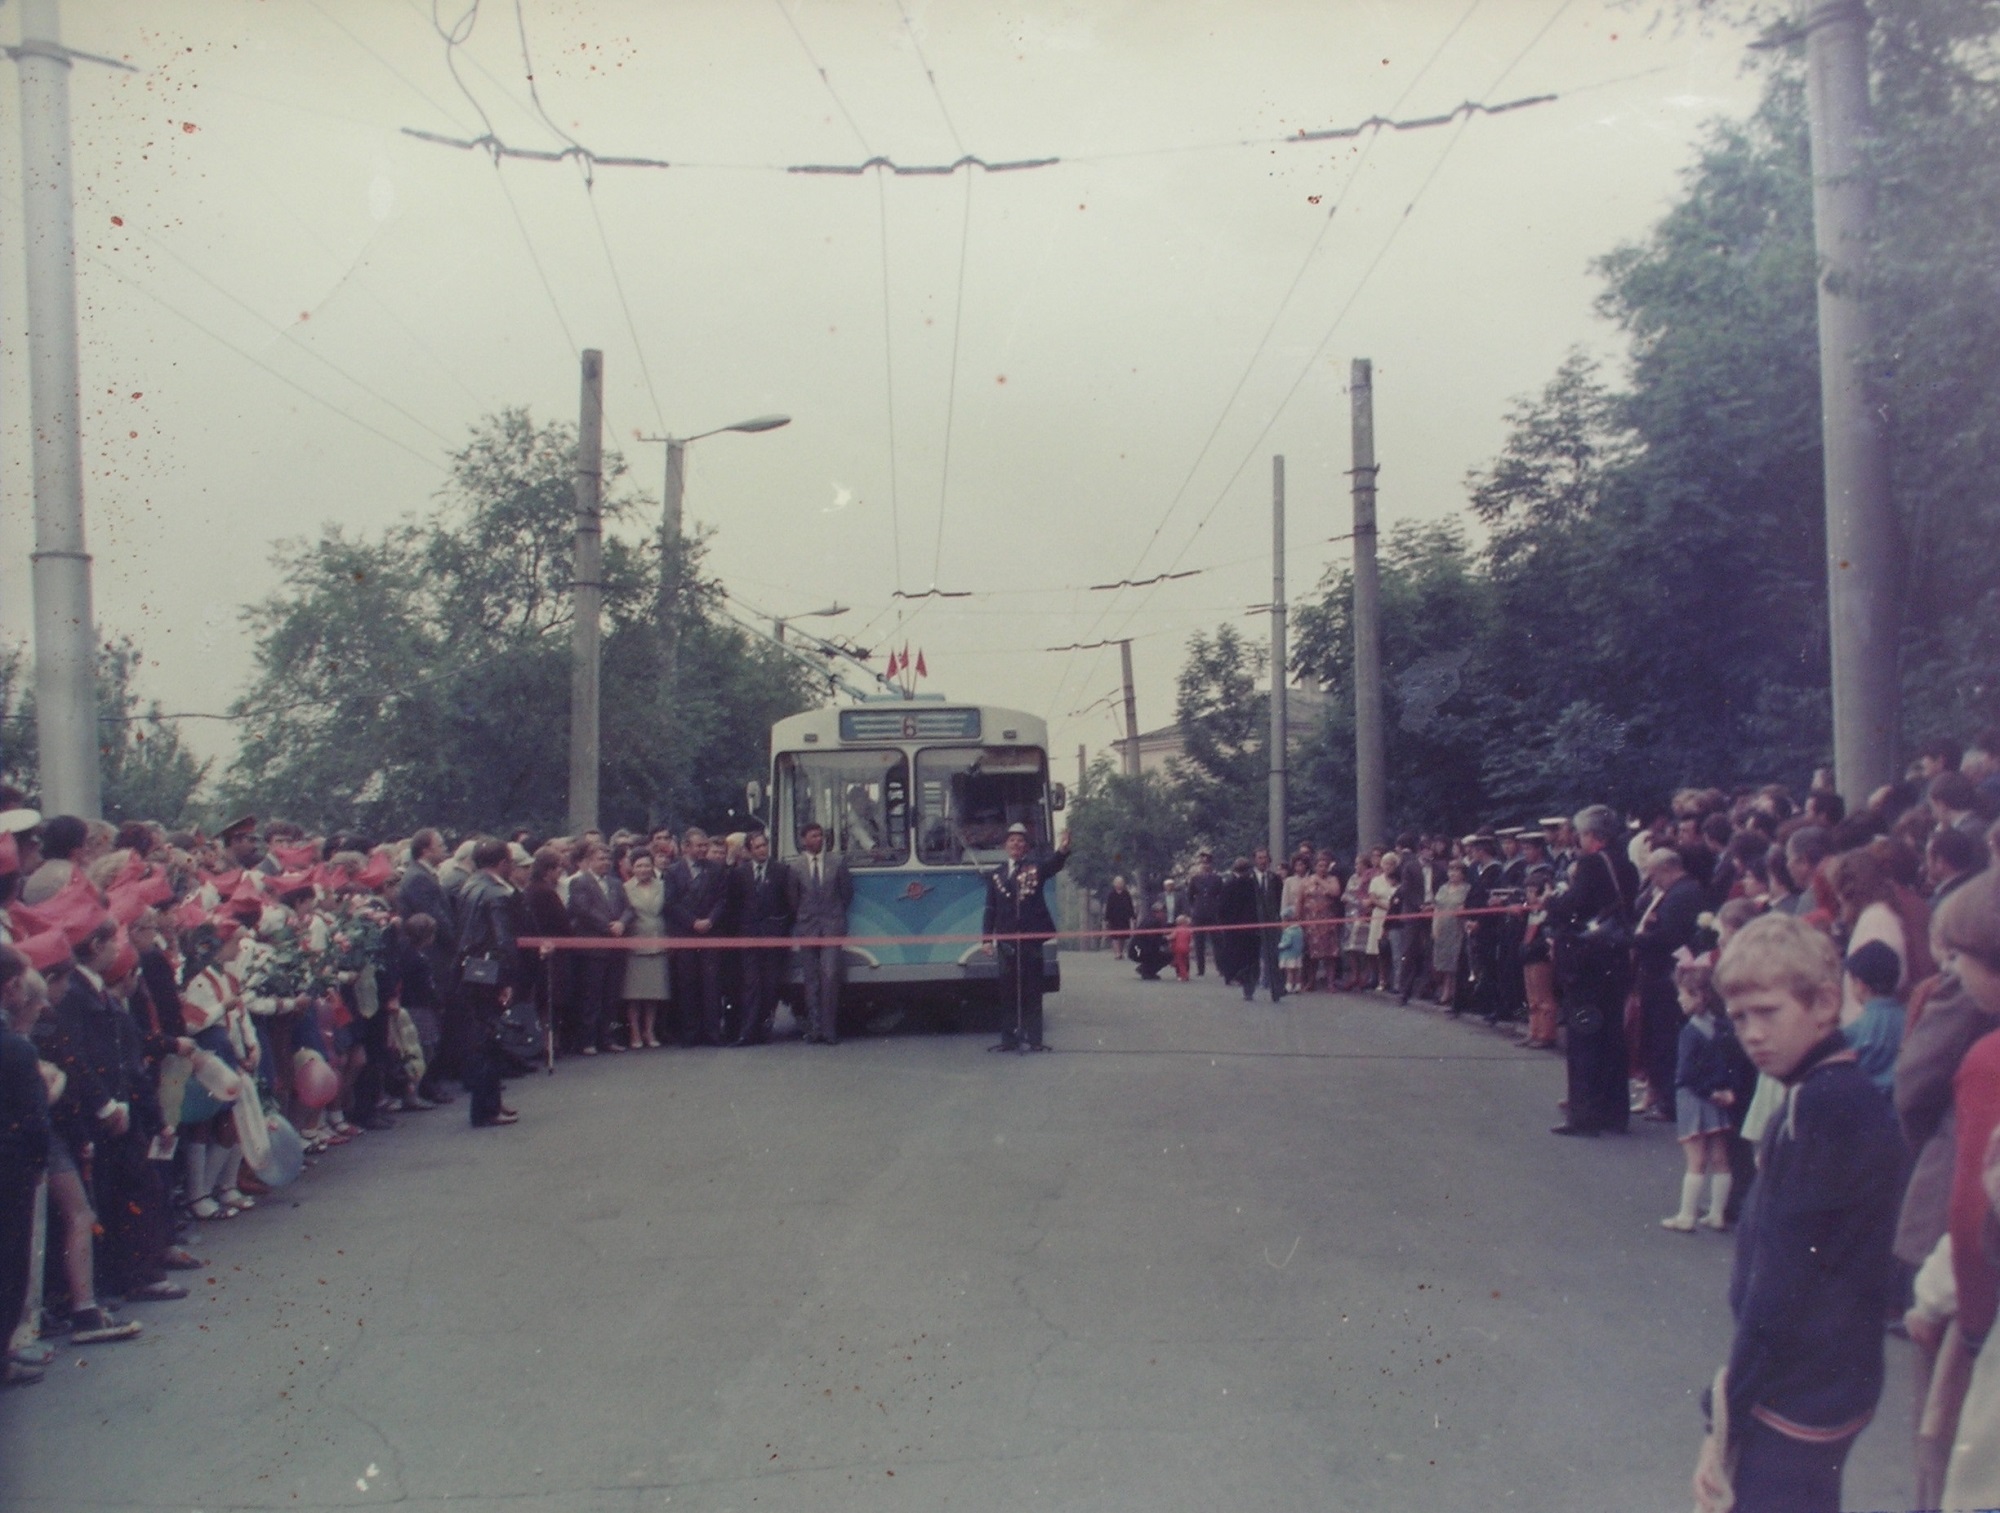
46 951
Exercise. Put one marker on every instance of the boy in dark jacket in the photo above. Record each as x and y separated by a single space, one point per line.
1812 1259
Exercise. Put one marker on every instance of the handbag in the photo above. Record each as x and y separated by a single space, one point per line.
518 1031
480 971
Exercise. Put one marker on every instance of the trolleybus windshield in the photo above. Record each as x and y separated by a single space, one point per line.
861 797
968 796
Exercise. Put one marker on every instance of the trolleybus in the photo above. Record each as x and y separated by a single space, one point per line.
916 795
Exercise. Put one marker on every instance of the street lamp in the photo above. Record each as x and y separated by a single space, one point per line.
670 537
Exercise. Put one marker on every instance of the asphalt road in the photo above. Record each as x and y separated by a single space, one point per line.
1206 1256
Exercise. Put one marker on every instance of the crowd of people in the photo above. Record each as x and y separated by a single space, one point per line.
1809 996
189 1021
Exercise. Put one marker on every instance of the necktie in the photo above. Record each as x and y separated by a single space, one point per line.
815 871
760 874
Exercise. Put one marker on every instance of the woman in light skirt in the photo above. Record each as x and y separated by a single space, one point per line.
645 968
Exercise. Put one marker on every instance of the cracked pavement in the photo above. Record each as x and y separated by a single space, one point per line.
1206 1256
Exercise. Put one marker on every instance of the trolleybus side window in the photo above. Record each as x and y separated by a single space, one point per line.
861 797
969 796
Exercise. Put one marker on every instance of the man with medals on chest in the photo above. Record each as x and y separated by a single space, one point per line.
1016 925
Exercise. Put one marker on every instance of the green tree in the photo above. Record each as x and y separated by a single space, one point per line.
1221 776
1436 639
423 677
1132 827
145 770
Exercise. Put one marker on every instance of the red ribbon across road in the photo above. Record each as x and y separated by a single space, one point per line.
776 942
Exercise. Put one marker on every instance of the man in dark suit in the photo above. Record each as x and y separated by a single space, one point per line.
593 914
1267 891
821 890
489 971
1016 908
696 895
1482 935
1204 895
763 909
1669 909
421 892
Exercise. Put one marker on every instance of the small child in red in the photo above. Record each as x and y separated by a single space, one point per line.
1183 945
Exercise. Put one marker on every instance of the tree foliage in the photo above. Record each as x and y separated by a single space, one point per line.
146 772
1644 602
422 677
1130 827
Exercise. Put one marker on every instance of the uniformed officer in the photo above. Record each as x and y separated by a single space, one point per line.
1509 999
1482 931
1016 925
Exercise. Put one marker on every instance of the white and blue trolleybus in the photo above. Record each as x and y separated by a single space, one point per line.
916 795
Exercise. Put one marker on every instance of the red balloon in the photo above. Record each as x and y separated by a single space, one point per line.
316 1083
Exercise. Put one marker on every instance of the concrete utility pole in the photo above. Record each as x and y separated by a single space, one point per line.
65 629
1131 711
1863 550
1371 796
1279 731
1082 764
672 564
587 598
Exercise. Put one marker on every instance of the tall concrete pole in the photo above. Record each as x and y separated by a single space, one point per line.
1371 796
65 629
587 598
1863 550
1131 711
1279 730
673 564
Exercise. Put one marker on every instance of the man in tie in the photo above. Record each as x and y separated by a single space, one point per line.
1269 888
763 908
1017 924
696 894
821 890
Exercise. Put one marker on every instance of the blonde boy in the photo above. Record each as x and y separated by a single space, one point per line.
1810 1285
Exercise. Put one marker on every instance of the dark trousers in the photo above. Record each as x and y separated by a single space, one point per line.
764 969
1201 949
1596 1057
1659 1036
18 1186
479 1068
372 1034
1020 992
1262 965
443 1062
590 995
131 1207
1775 1474
698 996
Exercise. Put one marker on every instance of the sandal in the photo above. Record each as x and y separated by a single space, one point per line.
237 1199
206 1208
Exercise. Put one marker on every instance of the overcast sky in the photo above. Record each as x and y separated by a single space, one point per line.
380 293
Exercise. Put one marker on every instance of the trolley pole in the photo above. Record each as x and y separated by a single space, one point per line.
587 598
1371 798
1862 540
65 628
1279 731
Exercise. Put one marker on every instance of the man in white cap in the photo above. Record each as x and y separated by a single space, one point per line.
1016 926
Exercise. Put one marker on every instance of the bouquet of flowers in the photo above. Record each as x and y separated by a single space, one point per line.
360 939
281 967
